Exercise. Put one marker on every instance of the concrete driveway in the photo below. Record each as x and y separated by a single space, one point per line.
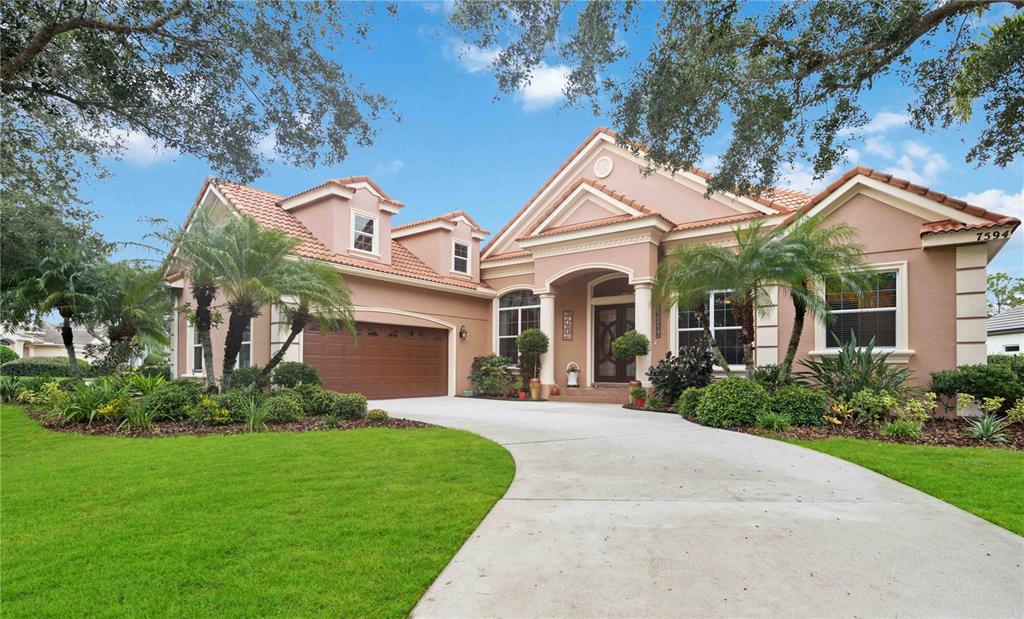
623 513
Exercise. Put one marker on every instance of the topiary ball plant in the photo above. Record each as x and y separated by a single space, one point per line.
531 343
293 374
732 402
630 345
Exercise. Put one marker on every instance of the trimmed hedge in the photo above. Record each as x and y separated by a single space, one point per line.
283 405
804 406
686 404
41 366
349 406
7 354
732 402
980 381
248 377
293 374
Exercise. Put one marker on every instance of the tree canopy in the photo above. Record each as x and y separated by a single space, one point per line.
787 80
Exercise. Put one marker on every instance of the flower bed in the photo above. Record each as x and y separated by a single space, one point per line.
941 432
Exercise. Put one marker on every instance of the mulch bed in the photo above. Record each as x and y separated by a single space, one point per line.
939 432
181 428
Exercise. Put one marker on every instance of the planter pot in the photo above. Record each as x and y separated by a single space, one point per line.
534 388
632 398
555 390
640 402
573 379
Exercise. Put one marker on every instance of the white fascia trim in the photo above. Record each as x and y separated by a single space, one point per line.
478 235
968 237
687 179
722 228
388 208
653 221
907 201
497 264
375 244
452 335
576 199
403 279
328 190
421 228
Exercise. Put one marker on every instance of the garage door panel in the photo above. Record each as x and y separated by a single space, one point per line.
382 360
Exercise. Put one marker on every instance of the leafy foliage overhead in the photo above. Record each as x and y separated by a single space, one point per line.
787 79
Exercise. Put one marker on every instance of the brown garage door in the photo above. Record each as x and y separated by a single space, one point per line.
382 361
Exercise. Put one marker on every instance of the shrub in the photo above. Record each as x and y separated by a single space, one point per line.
377 414
732 402
630 345
333 421
804 406
106 400
137 417
7 354
981 381
653 403
348 406
255 415
142 384
686 404
768 376
987 428
672 375
1016 413
172 401
9 388
867 406
283 406
238 402
293 374
531 344
41 366
855 369
315 400
1014 362
208 411
252 376
491 375
164 371
773 421
902 428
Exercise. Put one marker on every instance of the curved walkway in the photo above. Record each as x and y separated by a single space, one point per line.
623 513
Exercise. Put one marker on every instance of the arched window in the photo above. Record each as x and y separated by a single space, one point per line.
517 311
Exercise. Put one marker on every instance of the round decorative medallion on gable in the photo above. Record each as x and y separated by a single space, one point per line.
603 167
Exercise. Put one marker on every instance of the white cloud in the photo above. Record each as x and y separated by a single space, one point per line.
852 155
547 86
883 121
392 167
999 201
710 163
471 58
919 164
800 177
140 149
877 145
267 145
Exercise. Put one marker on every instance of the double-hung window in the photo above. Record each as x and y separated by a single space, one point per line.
871 314
723 325
364 232
517 311
245 352
197 352
460 257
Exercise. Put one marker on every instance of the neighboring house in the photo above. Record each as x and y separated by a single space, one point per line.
1006 332
46 341
578 260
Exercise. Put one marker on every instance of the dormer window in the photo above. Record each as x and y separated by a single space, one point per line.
364 232
460 257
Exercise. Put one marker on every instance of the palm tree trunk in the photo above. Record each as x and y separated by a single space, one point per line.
204 299
702 320
237 322
296 328
68 336
744 314
799 313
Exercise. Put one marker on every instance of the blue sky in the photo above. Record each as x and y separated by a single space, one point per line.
458 148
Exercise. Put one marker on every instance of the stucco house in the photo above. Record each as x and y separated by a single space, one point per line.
46 341
1006 332
577 261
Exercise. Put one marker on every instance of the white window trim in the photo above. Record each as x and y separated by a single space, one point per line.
673 325
901 352
374 238
190 361
248 342
519 316
469 257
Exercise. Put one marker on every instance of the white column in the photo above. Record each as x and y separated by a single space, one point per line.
971 304
547 325
642 318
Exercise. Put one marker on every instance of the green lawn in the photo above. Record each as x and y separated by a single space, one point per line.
984 481
354 523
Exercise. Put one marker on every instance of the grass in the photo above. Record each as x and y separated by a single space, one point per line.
984 481
354 523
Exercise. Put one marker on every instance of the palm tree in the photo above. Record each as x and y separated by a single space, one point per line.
132 305
690 273
822 256
252 269
195 257
64 281
320 296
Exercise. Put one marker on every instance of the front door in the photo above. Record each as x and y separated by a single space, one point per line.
611 321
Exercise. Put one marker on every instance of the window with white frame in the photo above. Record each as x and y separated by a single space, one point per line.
517 311
460 257
364 232
865 316
724 327
245 352
197 353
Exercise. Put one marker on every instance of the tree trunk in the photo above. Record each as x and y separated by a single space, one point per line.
799 313
716 352
744 314
298 324
204 299
237 323
68 336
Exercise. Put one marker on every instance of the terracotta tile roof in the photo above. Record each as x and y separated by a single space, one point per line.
789 198
263 207
585 225
348 181
948 225
605 189
704 223
507 256
450 217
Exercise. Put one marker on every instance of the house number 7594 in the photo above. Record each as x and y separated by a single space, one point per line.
991 236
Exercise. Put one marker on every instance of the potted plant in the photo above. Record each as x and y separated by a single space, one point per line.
631 345
532 343
637 396
572 372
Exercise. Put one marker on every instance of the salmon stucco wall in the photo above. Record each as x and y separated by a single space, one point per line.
260 336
